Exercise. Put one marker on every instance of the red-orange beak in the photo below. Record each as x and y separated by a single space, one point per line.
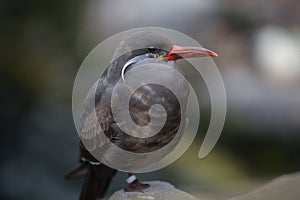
179 52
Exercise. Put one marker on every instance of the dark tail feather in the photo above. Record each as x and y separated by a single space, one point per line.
77 172
96 182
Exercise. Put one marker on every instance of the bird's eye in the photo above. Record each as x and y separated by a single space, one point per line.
151 55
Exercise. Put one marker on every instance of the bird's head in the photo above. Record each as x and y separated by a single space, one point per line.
141 47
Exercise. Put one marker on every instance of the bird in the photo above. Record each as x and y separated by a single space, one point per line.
141 47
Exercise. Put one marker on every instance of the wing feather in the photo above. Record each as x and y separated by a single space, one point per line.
97 118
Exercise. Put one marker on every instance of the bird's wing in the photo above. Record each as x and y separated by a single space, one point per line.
97 118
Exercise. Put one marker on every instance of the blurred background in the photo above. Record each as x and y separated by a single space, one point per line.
44 42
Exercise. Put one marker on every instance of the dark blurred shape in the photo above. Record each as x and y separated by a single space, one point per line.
38 64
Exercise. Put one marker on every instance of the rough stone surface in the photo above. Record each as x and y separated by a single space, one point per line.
158 190
286 187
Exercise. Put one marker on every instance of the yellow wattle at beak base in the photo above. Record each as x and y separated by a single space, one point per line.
160 57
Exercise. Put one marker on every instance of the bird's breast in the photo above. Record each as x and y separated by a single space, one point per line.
140 103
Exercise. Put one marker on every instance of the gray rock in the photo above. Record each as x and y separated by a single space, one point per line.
285 187
158 190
